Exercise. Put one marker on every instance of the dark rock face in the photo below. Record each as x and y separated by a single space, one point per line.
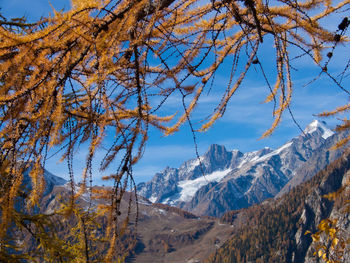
320 208
223 180
316 209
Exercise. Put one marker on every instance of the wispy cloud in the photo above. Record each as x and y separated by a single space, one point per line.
245 119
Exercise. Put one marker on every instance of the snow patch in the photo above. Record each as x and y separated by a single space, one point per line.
161 211
170 201
253 157
327 133
278 151
142 202
248 157
313 126
152 199
188 188
196 162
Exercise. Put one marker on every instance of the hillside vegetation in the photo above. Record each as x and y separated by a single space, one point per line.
274 231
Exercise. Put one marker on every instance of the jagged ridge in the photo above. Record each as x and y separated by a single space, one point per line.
231 180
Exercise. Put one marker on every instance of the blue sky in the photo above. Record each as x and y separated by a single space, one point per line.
246 117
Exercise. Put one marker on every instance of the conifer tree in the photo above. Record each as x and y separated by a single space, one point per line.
106 68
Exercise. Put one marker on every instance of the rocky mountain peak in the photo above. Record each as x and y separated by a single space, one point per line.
217 154
321 126
216 149
222 180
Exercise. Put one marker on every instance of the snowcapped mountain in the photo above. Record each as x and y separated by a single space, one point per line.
223 180
321 126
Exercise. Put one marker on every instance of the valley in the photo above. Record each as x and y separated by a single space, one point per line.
247 207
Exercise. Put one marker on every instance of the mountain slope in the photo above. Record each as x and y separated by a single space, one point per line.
224 180
163 233
275 230
50 179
